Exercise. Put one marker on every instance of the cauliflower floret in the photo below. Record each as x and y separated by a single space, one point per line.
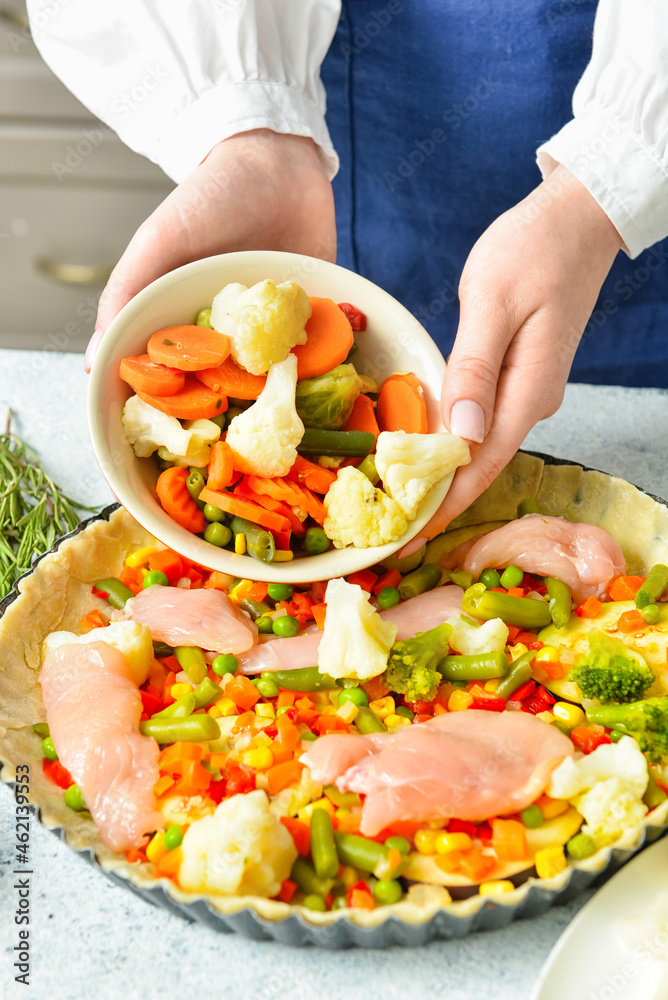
263 322
129 638
148 429
264 437
243 849
359 514
606 787
472 640
356 641
410 464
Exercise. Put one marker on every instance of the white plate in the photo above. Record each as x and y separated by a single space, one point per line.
617 946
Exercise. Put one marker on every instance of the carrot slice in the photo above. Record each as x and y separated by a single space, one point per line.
401 405
221 468
239 507
330 337
311 475
233 380
145 376
176 500
362 416
292 493
278 506
192 402
190 348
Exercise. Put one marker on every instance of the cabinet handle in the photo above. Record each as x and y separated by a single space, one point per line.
16 18
74 274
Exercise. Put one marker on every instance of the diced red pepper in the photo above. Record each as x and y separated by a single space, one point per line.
288 889
489 704
355 317
300 833
587 738
420 707
525 691
303 604
56 773
390 579
151 703
238 780
102 594
216 790
462 826
364 578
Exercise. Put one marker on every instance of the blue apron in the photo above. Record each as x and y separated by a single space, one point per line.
436 108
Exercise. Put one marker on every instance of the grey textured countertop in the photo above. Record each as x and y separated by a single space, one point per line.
91 939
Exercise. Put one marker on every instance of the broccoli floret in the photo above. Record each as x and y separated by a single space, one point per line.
646 721
412 669
611 672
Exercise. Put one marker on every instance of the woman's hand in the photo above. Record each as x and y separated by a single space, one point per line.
255 191
526 293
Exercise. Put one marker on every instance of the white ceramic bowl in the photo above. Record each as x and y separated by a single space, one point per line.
394 341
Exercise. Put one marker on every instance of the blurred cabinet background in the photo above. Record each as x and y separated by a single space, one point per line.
71 197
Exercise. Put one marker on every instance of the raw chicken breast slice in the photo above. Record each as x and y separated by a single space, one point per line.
205 618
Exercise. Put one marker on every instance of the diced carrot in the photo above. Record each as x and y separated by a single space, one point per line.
363 416
509 840
221 466
390 579
94 619
169 864
625 588
288 889
375 689
360 898
513 632
319 611
474 864
188 348
401 405
330 337
133 856
553 670
300 833
194 778
590 608
285 698
239 507
281 776
176 500
179 751
128 576
217 760
163 784
193 402
631 621
349 822
306 710
242 692
167 562
288 734
312 475
217 581
331 724
515 592
258 591
364 578
143 375
280 753
232 380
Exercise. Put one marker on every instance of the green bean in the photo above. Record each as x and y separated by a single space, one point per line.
522 611
560 601
206 692
307 881
192 729
304 679
368 468
362 853
256 609
653 587
518 674
191 660
368 722
259 541
474 667
179 709
41 729
346 444
342 800
528 506
162 649
117 593
461 577
424 578
323 848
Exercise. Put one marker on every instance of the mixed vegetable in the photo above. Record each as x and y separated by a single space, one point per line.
392 652
268 439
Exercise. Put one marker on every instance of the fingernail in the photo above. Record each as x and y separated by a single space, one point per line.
413 546
467 420
91 350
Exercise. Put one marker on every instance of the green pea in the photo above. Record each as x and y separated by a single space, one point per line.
173 837
285 626
204 318
313 902
650 614
388 597
279 591
226 663
339 903
155 578
220 420
315 541
48 749
217 534
615 734
268 687
399 844
512 576
282 710
581 846
195 483
490 578
74 798
405 712
233 411
387 891
265 624
532 817
213 514
354 694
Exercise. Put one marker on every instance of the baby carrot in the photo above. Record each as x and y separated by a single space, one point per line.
401 405
176 500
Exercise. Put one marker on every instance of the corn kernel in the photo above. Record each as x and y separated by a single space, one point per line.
260 759
265 710
495 887
396 721
550 861
349 876
545 717
492 685
548 654
177 690
552 807
348 712
425 841
570 715
383 706
226 707
156 848
283 555
324 803
459 700
214 712
518 650
240 544
446 842
140 557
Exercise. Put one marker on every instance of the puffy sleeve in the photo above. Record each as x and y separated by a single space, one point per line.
175 78
617 142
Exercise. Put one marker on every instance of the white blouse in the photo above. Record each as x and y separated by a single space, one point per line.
175 77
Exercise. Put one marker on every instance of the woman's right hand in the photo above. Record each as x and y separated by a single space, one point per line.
259 190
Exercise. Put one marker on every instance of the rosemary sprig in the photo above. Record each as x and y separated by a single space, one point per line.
33 509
